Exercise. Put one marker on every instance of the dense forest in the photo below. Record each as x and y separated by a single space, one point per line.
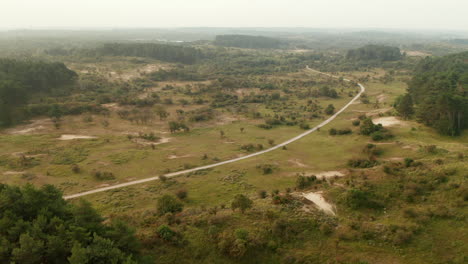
163 52
374 53
248 42
38 226
439 91
21 78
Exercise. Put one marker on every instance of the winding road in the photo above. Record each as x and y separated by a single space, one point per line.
173 174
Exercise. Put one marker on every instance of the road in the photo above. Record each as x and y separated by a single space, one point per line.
174 174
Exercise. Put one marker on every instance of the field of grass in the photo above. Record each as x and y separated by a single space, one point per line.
41 158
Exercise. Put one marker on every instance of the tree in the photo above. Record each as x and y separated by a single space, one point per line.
241 202
368 127
29 251
161 112
44 228
330 109
404 106
169 204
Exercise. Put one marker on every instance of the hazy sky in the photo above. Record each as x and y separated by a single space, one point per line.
398 14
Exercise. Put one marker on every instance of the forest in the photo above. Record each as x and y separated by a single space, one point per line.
439 93
248 42
374 53
23 79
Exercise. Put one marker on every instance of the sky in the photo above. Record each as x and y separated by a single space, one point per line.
389 14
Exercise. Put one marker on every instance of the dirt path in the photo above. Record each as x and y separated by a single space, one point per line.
169 175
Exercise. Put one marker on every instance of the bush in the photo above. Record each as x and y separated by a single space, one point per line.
168 204
103 176
356 122
303 182
241 202
262 194
181 194
362 163
359 199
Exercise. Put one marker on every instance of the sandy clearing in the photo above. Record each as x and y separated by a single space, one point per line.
298 163
34 126
72 137
150 143
178 157
13 172
320 202
387 121
381 98
328 174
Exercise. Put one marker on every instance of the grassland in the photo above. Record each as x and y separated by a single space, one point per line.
33 153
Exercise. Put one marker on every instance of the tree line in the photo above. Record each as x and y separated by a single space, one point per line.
375 53
438 94
19 79
248 42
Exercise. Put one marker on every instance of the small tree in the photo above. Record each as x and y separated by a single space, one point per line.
169 204
330 109
404 106
241 202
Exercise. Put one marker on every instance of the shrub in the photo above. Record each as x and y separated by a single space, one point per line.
103 176
362 163
303 182
358 199
168 204
262 194
181 194
166 233
241 202
356 122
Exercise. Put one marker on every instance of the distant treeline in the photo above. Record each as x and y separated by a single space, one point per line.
248 42
163 52
439 92
375 53
20 79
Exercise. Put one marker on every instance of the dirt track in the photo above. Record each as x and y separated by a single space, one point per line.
169 175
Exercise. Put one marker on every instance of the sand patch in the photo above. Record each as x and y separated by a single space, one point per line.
381 98
415 53
328 174
397 159
298 163
178 157
320 202
72 137
34 126
387 121
13 172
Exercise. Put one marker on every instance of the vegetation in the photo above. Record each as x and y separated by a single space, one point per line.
439 93
375 53
248 42
38 226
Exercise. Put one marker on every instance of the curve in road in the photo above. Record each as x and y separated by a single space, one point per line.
173 174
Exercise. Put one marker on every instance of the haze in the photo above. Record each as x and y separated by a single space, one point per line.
396 14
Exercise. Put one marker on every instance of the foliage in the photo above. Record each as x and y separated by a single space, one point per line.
439 91
241 202
20 79
163 52
169 204
38 226
249 42
374 53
